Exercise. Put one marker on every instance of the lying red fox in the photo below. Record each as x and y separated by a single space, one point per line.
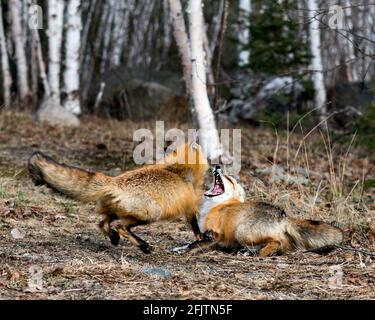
227 220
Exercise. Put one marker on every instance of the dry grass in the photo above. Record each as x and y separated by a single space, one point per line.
308 177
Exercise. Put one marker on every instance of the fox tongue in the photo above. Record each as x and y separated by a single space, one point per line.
215 190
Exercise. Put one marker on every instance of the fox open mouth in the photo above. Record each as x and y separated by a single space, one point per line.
218 188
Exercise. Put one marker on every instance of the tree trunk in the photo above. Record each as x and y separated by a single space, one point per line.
39 56
107 35
6 76
209 138
316 62
182 41
72 51
51 110
216 21
166 28
86 30
352 65
139 55
22 68
55 33
210 72
244 34
121 22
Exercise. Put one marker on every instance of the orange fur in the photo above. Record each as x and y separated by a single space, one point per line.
167 190
234 222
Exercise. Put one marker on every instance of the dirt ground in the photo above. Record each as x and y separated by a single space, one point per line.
46 236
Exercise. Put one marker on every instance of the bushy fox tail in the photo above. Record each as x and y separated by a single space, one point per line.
74 182
310 234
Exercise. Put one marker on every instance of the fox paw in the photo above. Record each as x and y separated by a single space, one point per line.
114 237
182 249
145 247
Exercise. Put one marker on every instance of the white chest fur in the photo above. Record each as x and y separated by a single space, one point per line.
207 205
205 208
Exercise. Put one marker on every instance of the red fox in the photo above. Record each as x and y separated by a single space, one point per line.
162 191
227 220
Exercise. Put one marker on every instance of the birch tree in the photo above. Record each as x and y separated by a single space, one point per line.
51 109
316 60
208 134
121 22
15 7
166 28
352 70
244 32
55 34
107 34
182 41
6 76
72 57
41 64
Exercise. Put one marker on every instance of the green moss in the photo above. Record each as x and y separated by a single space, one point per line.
70 208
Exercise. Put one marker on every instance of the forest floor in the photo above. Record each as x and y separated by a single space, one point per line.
45 234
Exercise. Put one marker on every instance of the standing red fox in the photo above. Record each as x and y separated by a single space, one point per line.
163 191
227 220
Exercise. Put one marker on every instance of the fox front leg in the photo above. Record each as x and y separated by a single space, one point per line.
195 227
207 240
191 217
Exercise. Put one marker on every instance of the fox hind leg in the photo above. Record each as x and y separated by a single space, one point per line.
271 248
125 231
105 227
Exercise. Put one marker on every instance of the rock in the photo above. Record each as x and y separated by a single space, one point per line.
139 94
50 111
285 85
251 94
17 233
160 272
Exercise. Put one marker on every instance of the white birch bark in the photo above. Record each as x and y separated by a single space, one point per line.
7 78
349 50
316 62
209 138
107 35
138 53
55 34
72 51
24 20
182 41
244 33
22 67
117 32
121 22
210 73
